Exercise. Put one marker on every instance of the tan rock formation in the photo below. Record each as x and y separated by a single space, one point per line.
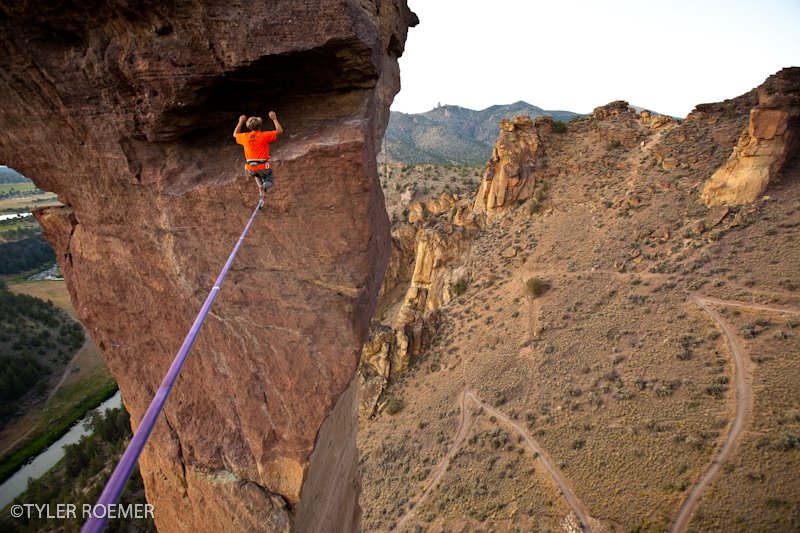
618 107
376 366
126 113
466 217
438 249
434 269
420 211
772 136
401 265
510 173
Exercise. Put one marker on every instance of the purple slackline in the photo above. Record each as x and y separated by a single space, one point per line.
122 472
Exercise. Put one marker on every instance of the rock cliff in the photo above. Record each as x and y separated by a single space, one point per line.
772 136
425 262
510 174
126 112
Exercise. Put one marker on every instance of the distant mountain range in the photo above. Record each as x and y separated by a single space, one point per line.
453 134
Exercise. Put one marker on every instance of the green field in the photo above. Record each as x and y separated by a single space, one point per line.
26 203
6 188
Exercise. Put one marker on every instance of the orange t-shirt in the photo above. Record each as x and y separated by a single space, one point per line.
256 143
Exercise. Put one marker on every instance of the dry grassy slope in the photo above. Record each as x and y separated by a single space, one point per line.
617 374
404 184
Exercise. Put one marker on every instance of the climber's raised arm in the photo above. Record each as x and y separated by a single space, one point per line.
242 120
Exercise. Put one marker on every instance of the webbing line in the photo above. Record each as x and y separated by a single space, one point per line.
122 472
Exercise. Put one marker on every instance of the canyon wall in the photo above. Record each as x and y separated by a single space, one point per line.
126 110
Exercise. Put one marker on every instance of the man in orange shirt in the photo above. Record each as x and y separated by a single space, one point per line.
256 148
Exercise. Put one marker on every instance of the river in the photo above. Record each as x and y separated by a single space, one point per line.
13 216
16 484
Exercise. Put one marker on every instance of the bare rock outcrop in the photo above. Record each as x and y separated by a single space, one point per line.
125 110
435 273
420 211
613 109
376 367
510 175
654 121
400 267
772 136
438 249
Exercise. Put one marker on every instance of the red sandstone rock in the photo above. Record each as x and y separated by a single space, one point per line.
126 112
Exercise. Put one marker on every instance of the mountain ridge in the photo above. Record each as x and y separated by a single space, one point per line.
453 134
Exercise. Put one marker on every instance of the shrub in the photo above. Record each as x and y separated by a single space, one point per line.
459 287
717 390
614 144
533 206
559 126
684 353
536 286
786 441
393 406
729 110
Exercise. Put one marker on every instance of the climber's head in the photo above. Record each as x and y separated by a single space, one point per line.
255 123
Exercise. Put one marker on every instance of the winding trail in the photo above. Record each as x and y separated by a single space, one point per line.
463 428
743 403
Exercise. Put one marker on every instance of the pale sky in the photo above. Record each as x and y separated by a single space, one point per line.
667 56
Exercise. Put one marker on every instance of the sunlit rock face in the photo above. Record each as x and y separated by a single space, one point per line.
772 136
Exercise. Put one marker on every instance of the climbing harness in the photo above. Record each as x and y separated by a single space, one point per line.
122 472
257 164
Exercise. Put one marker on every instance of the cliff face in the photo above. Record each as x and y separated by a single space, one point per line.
126 112
772 136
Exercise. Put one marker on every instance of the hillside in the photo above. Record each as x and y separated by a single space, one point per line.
9 175
452 134
584 344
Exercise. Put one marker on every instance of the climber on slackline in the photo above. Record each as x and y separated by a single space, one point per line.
256 148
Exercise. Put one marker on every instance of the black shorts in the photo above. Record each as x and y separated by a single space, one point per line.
265 175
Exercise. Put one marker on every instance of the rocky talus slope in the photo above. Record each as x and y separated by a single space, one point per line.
619 355
126 110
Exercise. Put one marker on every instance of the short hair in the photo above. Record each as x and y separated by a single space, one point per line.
254 123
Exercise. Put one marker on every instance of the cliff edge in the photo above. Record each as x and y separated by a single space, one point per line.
126 112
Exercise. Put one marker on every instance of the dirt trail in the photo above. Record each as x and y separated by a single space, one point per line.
743 403
758 307
726 450
68 369
463 428
572 499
